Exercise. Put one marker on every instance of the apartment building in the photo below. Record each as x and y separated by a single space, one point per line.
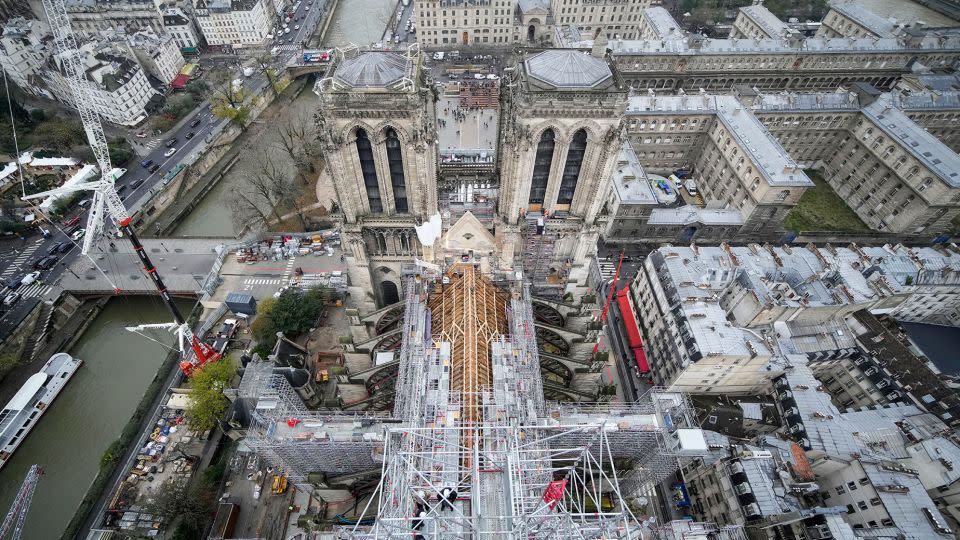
739 164
120 90
158 54
25 46
705 308
180 25
233 24
896 175
452 23
936 111
657 23
613 19
848 19
92 16
694 62
639 211
756 22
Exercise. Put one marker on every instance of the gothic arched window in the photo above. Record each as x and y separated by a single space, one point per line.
395 160
571 170
369 170
541 168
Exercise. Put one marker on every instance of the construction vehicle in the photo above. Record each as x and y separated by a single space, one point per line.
106 201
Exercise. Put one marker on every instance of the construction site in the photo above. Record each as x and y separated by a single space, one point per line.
471 447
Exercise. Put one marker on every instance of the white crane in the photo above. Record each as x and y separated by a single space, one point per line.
21 505
105 199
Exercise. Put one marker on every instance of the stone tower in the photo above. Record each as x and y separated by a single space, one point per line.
560 132
377 127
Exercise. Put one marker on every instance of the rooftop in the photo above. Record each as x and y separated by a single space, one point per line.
926 148
691 214
775 164
373 70
767 21
564 68
661 22
630 181
871 21
707 46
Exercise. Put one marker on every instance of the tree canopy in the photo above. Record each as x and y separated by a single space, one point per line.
293 313
208 405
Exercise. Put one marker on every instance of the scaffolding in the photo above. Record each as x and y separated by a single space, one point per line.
472 448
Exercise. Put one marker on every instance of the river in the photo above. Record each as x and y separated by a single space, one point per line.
88 414
361 22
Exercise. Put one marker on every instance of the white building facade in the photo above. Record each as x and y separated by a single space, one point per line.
24 49
234 24
120 90
158 54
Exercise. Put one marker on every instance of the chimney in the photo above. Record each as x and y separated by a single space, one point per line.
599 46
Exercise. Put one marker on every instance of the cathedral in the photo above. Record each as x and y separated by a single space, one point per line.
531 207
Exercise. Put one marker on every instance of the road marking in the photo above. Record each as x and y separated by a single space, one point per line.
15 265
35 289
261 281
288 270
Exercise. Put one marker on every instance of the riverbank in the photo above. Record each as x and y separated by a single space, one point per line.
70 439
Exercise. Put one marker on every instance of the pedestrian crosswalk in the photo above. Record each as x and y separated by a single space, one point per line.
35 289
289 47
289 269
24 255
261 281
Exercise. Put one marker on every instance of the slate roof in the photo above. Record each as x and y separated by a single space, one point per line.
568 69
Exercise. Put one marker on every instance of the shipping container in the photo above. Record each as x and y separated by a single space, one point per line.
241 303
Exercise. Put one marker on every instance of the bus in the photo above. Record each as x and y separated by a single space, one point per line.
629 317
314 57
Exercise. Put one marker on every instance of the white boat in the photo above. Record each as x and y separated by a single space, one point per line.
24 410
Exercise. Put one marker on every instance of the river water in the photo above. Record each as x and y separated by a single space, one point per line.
360 22
88 415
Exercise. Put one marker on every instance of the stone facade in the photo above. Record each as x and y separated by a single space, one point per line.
378 127
452 23
24 48
227 23
614 19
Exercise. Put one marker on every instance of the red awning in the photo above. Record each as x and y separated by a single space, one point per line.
633 331
180 81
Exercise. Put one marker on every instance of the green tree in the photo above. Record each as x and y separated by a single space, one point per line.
208 405
232 102
296 312
120 151
179 106
177 498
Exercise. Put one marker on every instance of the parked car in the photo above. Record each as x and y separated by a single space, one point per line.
30 278
121 189
170 152
189 136
77 235
195 123
11 299
136 183
55 248
155 168
171 142
67 246
141 135
146 163
47 262
14 282
71 221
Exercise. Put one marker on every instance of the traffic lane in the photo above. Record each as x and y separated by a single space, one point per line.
158 157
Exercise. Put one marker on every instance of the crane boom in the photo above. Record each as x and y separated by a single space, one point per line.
17 514
106 202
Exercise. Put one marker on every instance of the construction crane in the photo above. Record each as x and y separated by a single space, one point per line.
105 201
21 505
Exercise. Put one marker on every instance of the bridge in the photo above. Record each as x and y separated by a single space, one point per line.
183 264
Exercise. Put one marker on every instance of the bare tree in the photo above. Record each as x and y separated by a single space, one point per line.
296 138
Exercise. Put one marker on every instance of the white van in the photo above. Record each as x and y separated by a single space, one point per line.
691 186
